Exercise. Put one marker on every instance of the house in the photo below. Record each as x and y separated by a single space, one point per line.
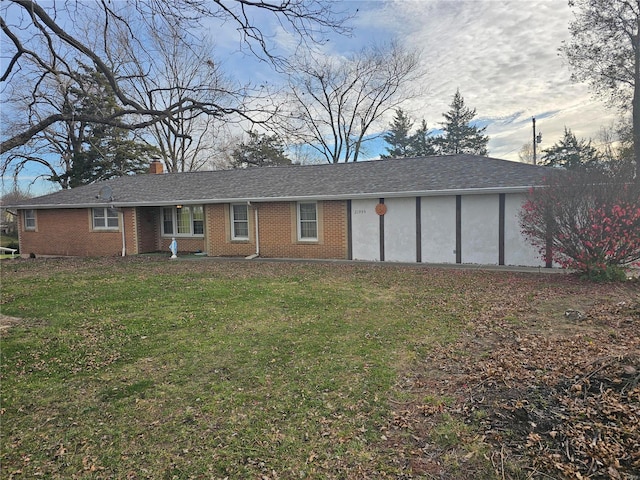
7 222
437 209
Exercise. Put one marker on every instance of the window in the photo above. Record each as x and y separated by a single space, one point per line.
239 222
29 219
105 218
197 213
167 221
183 220
307 221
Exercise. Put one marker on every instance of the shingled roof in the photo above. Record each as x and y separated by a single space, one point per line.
424 176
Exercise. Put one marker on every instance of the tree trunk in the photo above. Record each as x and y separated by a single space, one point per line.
636 104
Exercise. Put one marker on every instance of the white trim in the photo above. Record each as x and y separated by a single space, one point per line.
174 221
35 221
232 219
106 217
299 222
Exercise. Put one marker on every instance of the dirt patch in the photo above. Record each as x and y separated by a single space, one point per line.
6 322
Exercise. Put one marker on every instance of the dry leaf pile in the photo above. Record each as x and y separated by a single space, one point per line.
554 393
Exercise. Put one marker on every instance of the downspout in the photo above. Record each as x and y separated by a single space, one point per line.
124 246
255 210
19 224
257 254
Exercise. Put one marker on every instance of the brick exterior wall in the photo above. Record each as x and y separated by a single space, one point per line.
150 238
131 233
218 228
185 244
69 232
277 232
148 224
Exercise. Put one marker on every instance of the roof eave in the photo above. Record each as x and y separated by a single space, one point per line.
293 198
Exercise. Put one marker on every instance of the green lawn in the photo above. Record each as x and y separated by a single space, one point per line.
149 368
7 241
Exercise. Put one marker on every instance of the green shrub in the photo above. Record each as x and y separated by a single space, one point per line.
609 273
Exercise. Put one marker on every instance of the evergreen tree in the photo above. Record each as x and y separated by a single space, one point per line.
422 144
398 136
109 153
402 143
459 135
260 150
104 151
572 153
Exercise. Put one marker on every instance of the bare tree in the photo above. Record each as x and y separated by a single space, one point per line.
616 147
40 39
525 155
186 138
224 147
334 102
54 147
9 220
67 148
605 51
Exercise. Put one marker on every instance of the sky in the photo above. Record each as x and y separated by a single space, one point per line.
503 56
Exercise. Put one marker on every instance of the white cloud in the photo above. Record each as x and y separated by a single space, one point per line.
504 58
502 55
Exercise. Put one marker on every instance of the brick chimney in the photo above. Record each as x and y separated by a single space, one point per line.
156 167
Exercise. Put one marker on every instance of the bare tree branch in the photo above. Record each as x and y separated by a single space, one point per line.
604 50
334 104
42 44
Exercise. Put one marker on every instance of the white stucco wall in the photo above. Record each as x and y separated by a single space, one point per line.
479 232
400 230
480 216
438 219
365 230
517 250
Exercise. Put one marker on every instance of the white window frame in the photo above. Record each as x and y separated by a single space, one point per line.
235 221
30 220
300 222
174 220
110 218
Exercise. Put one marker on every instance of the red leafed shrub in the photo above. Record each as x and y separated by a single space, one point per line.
589 223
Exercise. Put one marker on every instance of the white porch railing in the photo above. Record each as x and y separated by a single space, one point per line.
12 251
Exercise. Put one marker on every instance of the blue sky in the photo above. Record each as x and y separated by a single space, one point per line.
502 55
